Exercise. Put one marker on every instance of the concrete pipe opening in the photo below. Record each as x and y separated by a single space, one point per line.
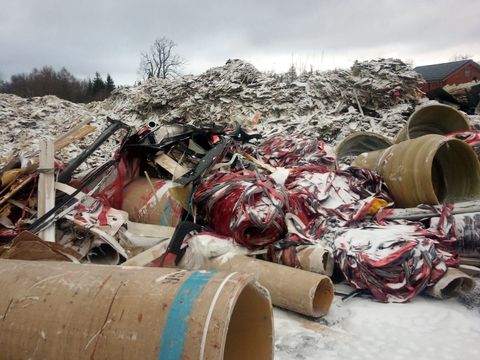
249 335
455 172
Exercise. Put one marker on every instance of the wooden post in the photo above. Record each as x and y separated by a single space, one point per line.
46 186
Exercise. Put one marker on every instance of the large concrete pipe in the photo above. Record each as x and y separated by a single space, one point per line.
59 310
360 142
431 169
433 119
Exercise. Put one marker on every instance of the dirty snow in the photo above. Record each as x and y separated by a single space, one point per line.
363 329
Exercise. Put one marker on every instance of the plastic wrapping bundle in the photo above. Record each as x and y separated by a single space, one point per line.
472 138
462 232
294 150
244 205
395 262
315 193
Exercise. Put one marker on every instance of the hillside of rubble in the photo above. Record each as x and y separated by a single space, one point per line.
372 95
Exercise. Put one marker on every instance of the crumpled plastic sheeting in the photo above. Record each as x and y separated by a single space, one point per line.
294 150
247 206
395 262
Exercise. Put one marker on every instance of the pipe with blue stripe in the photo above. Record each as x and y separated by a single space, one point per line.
176 326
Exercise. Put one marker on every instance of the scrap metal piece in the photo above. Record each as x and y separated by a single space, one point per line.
115 125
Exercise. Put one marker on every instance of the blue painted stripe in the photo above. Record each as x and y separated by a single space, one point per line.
176 327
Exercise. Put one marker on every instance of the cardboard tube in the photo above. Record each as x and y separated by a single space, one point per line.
360 142
450 284
59 310
152 206
316 258
433 119
103 254
432 169
293 289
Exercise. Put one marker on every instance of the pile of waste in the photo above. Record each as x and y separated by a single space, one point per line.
465 97
376 94
213 217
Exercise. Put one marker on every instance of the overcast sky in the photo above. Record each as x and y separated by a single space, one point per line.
108 35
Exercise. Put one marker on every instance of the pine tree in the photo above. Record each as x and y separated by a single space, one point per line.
98 83
110 85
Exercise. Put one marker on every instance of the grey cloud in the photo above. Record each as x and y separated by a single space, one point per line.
107 36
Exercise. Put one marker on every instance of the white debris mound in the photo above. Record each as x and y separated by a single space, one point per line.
373 95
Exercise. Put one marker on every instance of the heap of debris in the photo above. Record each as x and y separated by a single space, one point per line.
327 105
241 195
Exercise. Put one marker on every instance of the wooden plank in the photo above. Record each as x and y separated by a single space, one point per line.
171 165
76 133
46 186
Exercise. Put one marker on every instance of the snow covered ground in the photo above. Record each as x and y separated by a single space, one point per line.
361 328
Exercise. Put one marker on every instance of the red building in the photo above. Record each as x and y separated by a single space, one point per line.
455 72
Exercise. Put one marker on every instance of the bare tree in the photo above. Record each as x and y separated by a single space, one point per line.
161 61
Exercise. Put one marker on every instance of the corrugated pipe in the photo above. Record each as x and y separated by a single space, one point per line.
432 169
59 310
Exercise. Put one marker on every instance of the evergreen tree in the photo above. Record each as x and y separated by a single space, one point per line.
98 84
110 85
291 75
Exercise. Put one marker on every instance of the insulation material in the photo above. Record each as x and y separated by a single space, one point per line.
395 262
247 206
319 104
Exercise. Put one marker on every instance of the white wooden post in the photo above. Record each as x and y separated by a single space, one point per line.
46 186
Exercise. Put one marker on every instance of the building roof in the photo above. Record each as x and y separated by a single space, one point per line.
439 71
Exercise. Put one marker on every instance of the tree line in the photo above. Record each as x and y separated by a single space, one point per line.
47 81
